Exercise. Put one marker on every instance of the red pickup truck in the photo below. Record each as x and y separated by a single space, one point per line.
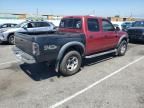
78 37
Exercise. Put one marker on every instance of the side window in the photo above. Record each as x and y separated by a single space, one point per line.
36 24
63 23
66 23
25 26
93 25
43 24
77 24
5 26
12 25
107 26
29 25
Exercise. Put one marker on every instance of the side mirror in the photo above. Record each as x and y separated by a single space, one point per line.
117 29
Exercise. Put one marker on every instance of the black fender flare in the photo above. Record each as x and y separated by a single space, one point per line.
64 48
125 36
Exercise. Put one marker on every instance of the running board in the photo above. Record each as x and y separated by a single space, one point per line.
100 54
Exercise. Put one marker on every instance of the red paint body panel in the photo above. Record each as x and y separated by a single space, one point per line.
95 41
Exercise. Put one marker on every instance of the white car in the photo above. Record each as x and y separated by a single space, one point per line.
7 25
7 35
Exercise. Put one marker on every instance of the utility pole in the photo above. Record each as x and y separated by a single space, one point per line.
131 14
93 12
37 12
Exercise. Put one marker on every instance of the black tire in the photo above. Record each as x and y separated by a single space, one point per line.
122 48
70 63
1 42
11 39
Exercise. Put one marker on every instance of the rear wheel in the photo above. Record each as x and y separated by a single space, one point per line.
70 63
1 42
11 39
122 48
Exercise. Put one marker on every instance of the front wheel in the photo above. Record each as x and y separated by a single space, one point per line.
11 39
122 48
70 63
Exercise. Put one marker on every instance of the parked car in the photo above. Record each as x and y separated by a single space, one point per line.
26 26
79 37
136 32
7 25
126 25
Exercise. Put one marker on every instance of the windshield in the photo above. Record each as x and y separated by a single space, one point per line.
21 25
138 24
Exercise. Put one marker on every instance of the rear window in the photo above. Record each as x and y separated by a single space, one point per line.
71 23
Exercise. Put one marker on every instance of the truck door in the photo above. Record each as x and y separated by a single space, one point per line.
109 33
94 38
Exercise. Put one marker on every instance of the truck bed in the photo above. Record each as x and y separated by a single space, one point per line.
24 42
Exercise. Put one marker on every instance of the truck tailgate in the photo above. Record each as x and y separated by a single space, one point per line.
24 42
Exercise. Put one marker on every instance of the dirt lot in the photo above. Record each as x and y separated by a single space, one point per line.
104 82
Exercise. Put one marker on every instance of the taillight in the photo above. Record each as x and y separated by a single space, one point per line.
35 48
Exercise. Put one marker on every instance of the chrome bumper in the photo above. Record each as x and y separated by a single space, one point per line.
26 58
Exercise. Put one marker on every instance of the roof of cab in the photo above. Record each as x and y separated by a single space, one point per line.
86 16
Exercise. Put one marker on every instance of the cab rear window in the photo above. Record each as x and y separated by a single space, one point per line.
72 23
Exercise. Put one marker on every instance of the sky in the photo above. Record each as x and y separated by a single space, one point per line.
75 7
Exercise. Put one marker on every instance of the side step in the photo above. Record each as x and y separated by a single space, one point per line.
100 54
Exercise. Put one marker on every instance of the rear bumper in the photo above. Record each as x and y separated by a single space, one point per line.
26 58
